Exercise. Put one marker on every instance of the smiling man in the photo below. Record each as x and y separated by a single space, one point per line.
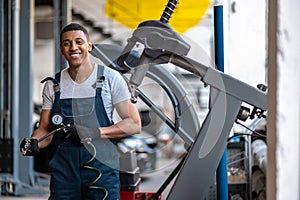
84 95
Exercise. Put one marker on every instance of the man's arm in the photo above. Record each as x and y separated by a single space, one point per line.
43 129
129 124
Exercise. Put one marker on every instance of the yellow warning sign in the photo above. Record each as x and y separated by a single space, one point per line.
131 13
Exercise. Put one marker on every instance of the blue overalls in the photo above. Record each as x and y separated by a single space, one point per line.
75 173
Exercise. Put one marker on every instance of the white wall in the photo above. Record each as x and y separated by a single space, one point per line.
284 79
245 40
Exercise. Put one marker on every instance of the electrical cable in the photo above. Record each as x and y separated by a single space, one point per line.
86 165
249 129
255 133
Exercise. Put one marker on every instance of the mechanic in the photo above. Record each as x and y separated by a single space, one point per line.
83 96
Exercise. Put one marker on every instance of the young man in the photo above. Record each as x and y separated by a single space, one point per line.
85 162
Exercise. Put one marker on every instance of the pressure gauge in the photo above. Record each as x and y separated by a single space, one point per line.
57 119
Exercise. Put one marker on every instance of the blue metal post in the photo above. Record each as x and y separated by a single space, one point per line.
222 178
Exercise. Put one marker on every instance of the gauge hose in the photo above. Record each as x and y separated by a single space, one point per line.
87 166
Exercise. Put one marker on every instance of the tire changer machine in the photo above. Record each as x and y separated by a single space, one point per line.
230 100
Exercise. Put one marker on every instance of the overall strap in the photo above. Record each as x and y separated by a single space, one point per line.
100 77
56 88
55 80
100 110
56 108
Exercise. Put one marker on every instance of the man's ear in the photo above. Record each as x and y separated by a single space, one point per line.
90 46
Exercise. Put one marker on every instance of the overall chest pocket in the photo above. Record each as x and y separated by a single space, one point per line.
82 110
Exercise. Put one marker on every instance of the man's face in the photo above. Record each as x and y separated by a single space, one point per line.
75 47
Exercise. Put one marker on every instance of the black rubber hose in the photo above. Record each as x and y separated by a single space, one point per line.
170 7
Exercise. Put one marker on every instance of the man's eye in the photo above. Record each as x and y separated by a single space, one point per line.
79 42
66 44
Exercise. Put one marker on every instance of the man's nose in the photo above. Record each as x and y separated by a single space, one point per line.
73 45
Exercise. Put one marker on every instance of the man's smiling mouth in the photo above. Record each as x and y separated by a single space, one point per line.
74 54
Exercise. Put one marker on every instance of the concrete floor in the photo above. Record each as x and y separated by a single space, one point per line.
150 182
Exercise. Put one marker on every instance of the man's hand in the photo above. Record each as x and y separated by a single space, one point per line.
29 147
86 133
81 134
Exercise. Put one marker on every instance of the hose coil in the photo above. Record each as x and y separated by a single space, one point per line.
86 165
170 7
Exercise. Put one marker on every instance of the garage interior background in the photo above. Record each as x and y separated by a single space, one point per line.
261 46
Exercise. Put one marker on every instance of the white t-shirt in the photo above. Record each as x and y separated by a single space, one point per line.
114 89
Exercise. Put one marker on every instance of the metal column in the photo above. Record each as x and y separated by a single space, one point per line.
62 16
25 90
222 178
17 176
